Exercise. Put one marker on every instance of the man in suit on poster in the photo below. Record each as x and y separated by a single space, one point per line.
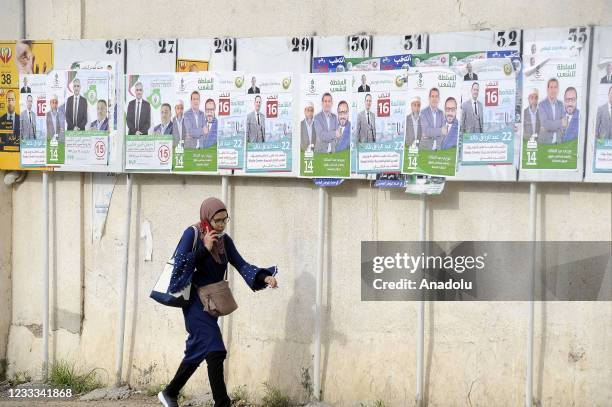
194 123
55 120
432 122
256 124
27 125
414 131
603 120
366 123
25 88
551 112
451 125
471 112
326 125
10 120
571 120
165 127
101 122
364 87
76 108
308 135
178 123
209 131
138 116
470 76
343 134
253 89
531 119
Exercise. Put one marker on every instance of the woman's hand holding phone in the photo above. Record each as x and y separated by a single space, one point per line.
210 237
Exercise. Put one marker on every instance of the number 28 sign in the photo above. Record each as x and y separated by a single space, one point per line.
491 96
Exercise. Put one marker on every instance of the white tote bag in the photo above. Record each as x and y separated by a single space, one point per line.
160 291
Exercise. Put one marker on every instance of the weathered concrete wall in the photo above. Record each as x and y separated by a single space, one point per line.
10 28
475 352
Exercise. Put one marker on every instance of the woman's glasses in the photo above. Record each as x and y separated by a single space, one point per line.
223 221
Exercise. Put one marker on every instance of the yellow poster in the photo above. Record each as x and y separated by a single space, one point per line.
17 57
191 65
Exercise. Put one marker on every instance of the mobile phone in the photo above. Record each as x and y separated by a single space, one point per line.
206 227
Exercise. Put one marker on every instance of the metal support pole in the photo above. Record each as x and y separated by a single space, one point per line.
420 362
123 281
319 295
533 195
45 368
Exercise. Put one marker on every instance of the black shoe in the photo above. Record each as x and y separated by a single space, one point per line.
167 400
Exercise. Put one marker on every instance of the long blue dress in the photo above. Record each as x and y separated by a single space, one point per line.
202 269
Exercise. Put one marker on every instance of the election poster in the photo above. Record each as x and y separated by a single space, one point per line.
232 117
432 132
553 128
198 152
326 123
555 73
379 128
33 120
488 104
17 58
602 134
269 123
155 121
82 138
115 145
598 167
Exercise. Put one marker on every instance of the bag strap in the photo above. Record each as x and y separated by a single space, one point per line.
195 238
193 246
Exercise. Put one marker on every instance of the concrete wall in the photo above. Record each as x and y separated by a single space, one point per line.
10 28
6 217
475 352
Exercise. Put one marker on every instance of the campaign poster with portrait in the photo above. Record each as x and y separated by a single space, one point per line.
33 120
488 104
602 133
198 152
154 121
17 58
598 164
83 106
553 128
380 118
269 123
233 109
325 151
432 122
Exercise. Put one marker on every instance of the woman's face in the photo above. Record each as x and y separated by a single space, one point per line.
218 221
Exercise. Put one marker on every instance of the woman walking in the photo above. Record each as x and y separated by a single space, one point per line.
205 265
